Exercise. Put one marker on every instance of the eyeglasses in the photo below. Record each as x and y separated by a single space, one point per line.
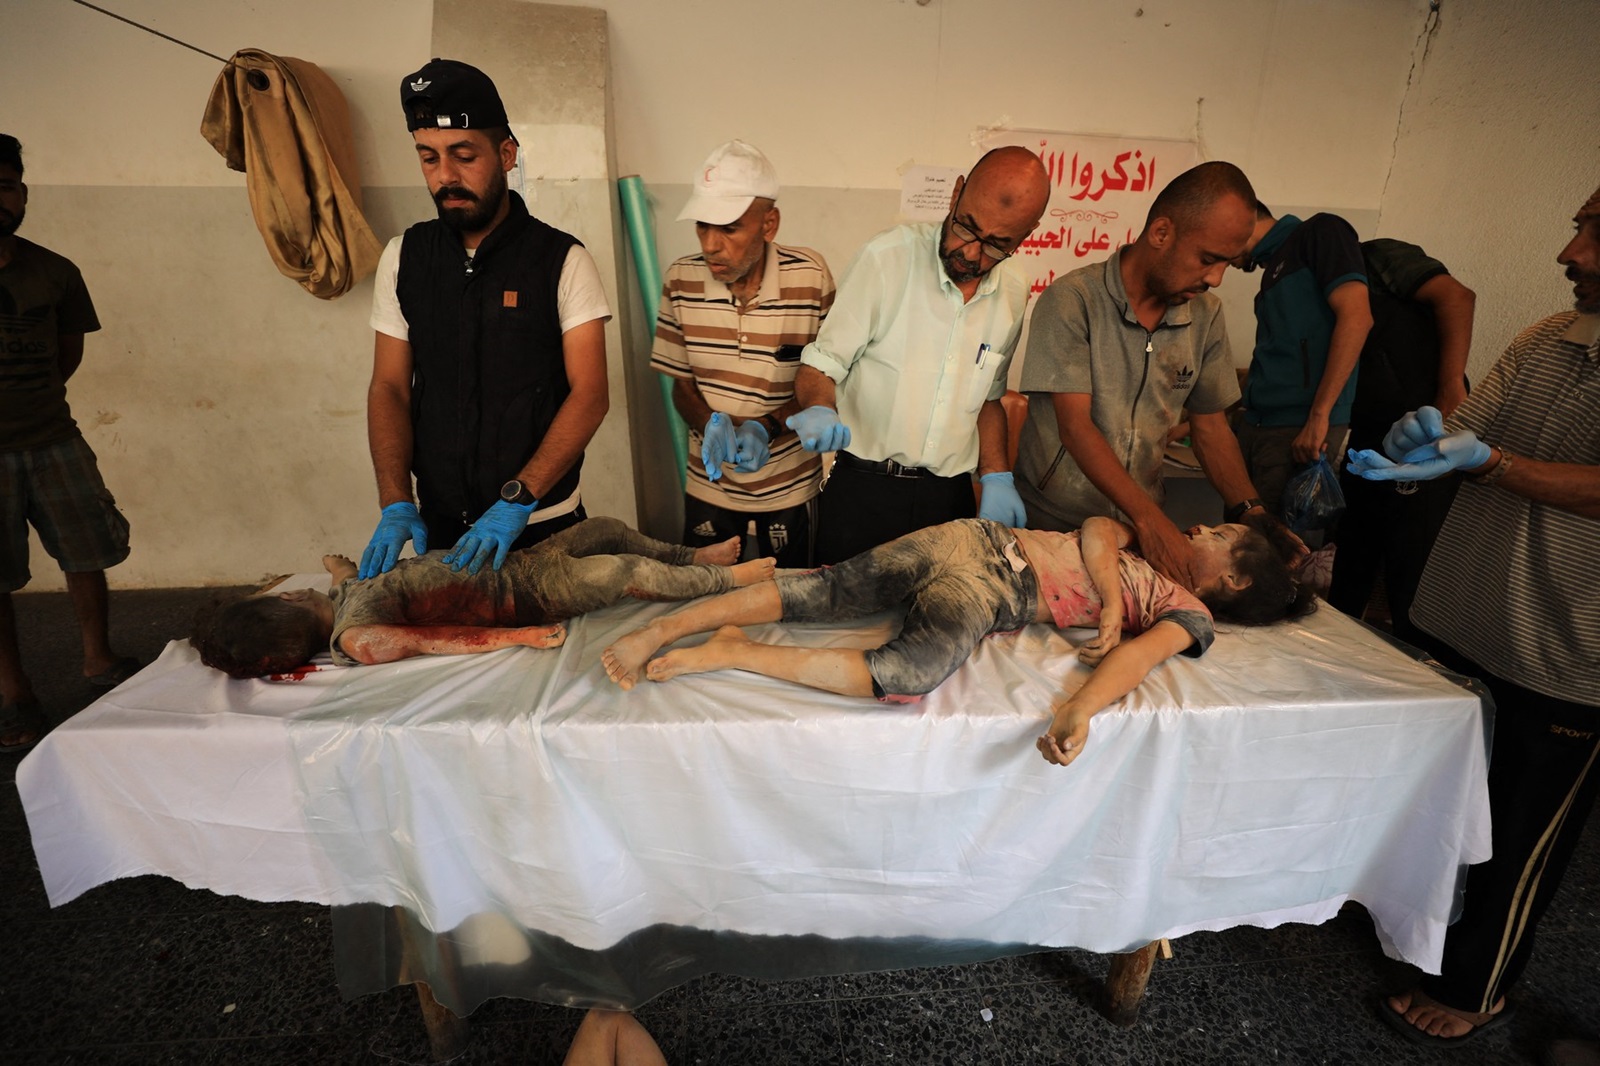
966 236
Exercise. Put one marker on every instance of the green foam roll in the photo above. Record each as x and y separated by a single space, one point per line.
641 235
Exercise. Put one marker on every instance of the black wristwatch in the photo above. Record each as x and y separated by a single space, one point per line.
515 491
1237 511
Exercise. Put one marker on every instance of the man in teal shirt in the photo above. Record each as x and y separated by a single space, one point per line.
1312 317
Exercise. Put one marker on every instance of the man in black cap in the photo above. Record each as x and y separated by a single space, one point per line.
489 365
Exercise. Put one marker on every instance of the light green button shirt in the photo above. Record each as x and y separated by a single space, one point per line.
912 362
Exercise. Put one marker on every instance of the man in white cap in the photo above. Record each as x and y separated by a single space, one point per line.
912 364
732 323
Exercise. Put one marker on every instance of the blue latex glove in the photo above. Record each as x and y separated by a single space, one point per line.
1461 450
1000 501
398 524
717 445
819 429
501 524
753 451
1420 427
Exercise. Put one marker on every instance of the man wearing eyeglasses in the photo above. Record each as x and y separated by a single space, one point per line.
905 377
1118 350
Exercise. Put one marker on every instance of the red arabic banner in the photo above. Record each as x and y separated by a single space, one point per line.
1101 190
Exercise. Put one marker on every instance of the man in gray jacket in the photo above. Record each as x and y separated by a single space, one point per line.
1118 350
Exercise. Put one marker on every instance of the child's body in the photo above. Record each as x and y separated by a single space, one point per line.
963 580
423 607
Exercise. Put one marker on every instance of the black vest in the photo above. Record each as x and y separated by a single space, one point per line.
487 370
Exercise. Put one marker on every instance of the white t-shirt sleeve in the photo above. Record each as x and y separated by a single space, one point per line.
386 317
580 297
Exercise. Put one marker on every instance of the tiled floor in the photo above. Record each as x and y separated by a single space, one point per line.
146 971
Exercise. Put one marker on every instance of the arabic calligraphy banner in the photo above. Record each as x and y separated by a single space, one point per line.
1101 188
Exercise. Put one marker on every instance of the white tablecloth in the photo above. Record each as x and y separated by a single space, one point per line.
1290 769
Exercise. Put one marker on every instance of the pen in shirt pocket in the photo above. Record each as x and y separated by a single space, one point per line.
983 353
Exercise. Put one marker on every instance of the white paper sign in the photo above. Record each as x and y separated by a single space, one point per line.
925 192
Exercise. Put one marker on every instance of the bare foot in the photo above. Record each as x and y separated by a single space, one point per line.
339 567
1434 1018
754 572
724 554
712 655
625 658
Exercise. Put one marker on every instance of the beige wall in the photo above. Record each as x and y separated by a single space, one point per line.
227 405
1498 147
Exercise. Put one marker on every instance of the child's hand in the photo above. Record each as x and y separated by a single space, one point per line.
1110 635
542 636
1069 731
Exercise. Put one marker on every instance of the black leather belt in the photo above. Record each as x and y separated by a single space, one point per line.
887 467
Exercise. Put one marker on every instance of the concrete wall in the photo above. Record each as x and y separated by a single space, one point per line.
1498 147
227 405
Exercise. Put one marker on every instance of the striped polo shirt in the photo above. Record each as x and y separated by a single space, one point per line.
1511 583
745 363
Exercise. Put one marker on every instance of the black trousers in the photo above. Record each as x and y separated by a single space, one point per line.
1385 531
861 509
1544 773
785 534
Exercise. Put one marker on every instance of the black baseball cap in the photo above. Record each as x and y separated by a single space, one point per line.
451 94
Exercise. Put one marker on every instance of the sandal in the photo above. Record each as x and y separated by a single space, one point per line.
1400 1024
25 720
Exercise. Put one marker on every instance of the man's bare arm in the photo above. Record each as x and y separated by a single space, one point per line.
1571 487
690 402
1160 542
1453 305
1352 313
375 644
692 407
1217 451
389 430
993 438
69 353
584 353
812 387
791 406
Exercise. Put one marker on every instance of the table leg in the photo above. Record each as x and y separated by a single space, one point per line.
1125 983
447 1031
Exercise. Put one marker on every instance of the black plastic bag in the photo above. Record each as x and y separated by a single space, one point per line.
1312 498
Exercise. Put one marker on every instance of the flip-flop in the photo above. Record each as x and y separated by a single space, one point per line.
1399 1024
116 673
25 718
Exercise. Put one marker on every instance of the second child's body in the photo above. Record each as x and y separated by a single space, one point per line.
963 580
425 607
